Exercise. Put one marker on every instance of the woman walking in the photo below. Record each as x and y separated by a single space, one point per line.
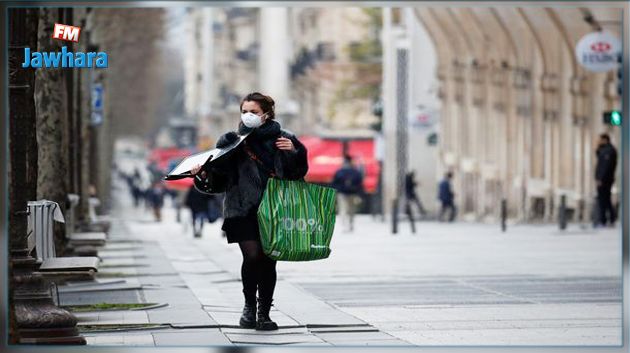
267 152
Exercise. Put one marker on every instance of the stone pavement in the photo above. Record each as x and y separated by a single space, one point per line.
196 299
465 284
470 284
450 284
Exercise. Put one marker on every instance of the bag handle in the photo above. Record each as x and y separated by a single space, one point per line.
255 158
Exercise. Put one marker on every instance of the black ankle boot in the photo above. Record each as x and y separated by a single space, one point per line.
263 322
248 319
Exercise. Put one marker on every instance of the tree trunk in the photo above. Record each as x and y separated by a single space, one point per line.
52 119
101 143
82 91
68 17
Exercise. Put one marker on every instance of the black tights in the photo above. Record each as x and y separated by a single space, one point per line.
258 272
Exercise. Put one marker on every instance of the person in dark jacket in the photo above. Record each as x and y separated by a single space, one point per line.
447 198
156 199
134 186
348 181
268 151
605 178
201 207
410 194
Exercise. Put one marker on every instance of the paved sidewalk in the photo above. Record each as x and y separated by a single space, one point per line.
464 284
196 295
449 284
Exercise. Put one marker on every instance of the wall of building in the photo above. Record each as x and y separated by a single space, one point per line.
519 116
321 87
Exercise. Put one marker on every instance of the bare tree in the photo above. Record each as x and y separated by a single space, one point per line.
132 83
135 81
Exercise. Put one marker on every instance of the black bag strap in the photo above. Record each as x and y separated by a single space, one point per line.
256 159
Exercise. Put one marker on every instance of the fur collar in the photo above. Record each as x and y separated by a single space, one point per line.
269 130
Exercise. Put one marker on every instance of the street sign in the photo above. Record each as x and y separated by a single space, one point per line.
97 104
422 118
97 97
598 51
96 118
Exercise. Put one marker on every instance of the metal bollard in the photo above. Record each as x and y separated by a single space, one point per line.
395 217
562 212
503 215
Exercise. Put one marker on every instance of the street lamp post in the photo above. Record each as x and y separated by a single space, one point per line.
401 133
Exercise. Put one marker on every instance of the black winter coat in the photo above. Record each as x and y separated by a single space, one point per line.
244 180
606 164
197 201
348 180
410 186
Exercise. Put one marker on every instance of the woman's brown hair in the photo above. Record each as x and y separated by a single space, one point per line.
266 103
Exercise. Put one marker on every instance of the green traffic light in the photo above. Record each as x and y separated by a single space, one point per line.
615 118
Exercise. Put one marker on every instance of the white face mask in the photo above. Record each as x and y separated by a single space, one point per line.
252 120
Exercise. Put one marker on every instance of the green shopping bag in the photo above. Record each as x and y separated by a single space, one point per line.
296 220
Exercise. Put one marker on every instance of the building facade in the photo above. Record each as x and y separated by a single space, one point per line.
519 117
335 68
221 65
308 59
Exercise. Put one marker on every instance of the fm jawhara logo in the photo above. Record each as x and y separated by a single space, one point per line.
64 58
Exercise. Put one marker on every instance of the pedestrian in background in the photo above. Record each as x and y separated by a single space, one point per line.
447 197
348 181
605 178
268 151
154 171
411 197
203 207
134 181
155 197
179 201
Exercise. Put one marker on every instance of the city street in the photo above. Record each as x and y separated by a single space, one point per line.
504 121
449 284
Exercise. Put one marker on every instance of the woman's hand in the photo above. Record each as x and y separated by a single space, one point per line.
196 170
285 144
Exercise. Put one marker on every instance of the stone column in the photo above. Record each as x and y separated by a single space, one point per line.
273 59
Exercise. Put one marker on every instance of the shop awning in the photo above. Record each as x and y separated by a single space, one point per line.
325 157
167 157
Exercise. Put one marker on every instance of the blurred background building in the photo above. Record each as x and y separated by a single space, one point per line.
336 68
316 63
494 95
519 117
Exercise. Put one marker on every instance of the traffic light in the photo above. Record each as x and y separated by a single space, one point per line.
613 117
377 110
